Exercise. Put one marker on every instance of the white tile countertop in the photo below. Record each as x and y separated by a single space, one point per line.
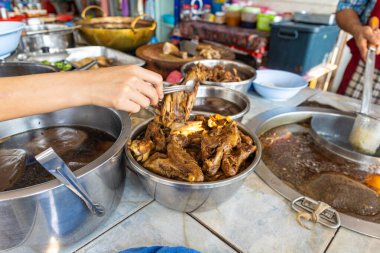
256 219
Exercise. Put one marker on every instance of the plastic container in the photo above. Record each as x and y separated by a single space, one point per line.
249 17
10 34
298 47
220 17
233 15
264 20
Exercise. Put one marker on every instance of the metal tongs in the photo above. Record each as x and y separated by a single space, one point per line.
53 164
172 88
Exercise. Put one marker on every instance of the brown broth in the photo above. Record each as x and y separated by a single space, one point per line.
291 154
77 146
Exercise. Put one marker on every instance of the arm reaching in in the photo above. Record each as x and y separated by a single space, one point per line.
127 88
348 20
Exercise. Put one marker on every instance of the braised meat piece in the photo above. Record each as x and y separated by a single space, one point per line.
155 133
154 140
216 143
141 149
219 73
233 159
177 164
177 106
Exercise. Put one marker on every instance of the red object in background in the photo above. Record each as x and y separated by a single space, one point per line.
174 77
46 4
16 18
64 17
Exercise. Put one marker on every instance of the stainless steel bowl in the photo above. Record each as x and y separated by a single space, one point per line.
8 69
247 73
221 100
48 38
50 214
184 196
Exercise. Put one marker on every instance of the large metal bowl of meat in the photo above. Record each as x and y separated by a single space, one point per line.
189 165
230 74
37 211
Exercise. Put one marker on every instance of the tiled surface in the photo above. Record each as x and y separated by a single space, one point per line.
257 219
134 198
157 225
347 241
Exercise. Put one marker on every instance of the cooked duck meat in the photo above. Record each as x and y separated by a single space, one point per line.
233 159
177 106
216 143
141 149
218 73
193 151
178 164
155 133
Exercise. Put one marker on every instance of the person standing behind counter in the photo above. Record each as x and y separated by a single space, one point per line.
128 88
352 16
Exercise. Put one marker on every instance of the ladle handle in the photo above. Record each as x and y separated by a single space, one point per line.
50 160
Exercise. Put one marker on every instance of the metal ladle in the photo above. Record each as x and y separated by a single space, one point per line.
50 160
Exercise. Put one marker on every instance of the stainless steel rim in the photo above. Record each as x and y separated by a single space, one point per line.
134 165
113 151
241 95
265 121
15 64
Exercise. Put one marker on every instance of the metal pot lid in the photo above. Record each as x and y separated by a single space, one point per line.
332 133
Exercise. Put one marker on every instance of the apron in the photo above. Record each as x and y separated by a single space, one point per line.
352 82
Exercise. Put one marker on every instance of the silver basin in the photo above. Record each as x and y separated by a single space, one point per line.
184 196
277 117
246 72
50 214
227 102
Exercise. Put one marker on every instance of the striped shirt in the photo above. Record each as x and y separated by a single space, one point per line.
362 7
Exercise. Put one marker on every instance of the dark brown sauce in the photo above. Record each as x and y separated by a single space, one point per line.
216 105
291 154
77 146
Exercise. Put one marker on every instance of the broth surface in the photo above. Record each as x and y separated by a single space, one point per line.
77 146
291 154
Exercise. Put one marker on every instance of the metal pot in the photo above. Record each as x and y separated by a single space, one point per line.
184 196
227 102
48 38
50 214
8 69
246 73
121 33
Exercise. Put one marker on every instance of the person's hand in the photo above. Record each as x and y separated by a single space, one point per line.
127 88
363 36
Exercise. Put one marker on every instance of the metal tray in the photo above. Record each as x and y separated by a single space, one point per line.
281 116
120 58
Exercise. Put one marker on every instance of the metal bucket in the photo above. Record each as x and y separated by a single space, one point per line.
49 214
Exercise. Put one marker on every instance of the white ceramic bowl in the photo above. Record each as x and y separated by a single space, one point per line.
10 34
278 85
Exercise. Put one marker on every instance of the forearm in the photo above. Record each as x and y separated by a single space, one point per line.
348 20
28 95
